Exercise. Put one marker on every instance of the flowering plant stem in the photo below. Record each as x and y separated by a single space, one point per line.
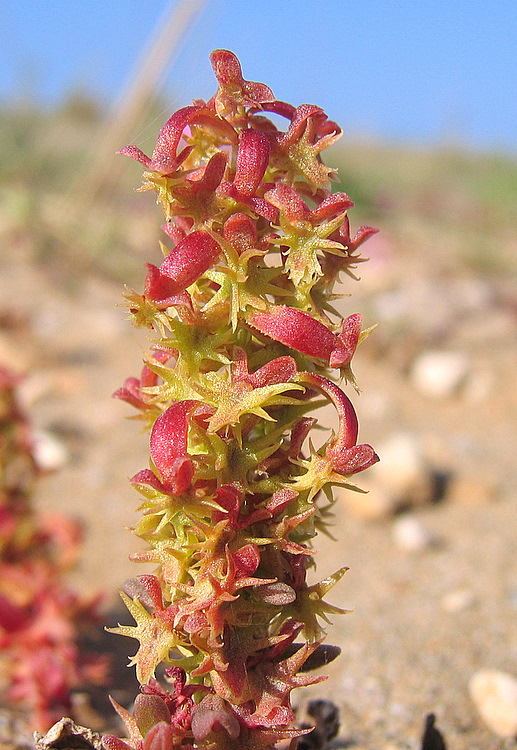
246 343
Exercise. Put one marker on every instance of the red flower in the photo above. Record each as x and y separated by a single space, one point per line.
279 370
182 267
299 148
131 391
240 231
165 159
169 451
302 332
310 122
213 714
233 89
252 161
345 456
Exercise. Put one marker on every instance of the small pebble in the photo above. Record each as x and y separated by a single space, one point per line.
458 600
403 472
49 453
439 374
410 535
68 734
374 505
495 696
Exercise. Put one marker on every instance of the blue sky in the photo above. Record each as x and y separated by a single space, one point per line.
416 70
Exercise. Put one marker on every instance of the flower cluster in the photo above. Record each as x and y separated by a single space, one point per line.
39 616
247 341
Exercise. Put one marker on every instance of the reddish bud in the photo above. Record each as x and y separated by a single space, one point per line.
169 451
182 267
190 258
348 340
279 370
210 176
131 391
280 108
241 232
151 586
260 206
252 161
165 159
346 457
331 206
232 86
352 460
148 711
230 499
169 443
302 332
160 737
247 560
280 500
110 742
287 200
214 714
279 594
301 121
348 425
176 232
298 434
362 234
148 377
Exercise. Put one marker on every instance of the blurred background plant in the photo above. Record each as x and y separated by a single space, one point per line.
41 619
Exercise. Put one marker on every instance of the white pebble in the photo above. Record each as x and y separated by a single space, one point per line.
495 696
402 468
458 600
49 453
410 535
376 504
439 374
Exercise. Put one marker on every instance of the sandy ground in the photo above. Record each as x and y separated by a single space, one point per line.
427 614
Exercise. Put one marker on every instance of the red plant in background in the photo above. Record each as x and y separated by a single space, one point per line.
247 342
40 617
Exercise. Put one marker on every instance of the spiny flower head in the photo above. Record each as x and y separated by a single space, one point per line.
247 343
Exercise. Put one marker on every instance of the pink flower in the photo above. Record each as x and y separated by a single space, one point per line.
333 264
310 122
362 234
296 211
299 148
252 161
213 714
